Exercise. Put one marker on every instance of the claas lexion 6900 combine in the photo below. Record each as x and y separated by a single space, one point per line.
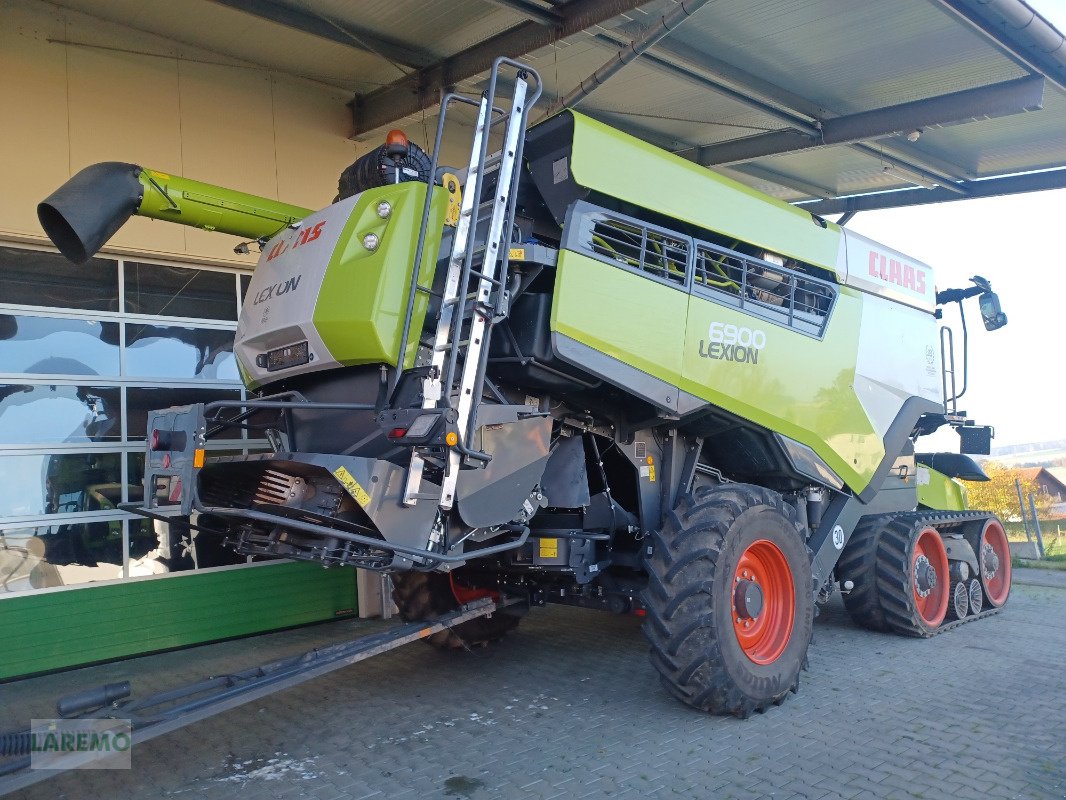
580 370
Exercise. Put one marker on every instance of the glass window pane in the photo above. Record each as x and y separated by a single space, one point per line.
160 547
180 291
51 346
174 351
58 413
59 484
33 278
140 401
60 555
246 281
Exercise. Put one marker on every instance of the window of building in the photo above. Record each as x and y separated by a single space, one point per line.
85 352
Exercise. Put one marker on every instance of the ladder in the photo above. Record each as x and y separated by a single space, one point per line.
459 352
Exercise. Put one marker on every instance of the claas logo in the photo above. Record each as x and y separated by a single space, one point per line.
900 273
303 237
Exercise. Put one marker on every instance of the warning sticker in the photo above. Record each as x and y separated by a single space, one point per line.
516 253
549 548
352 485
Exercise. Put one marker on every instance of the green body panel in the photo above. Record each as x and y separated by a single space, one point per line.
800 386
622 166
202 205
363 300
941 492
625 316
56 629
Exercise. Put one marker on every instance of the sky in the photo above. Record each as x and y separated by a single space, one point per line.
1018 373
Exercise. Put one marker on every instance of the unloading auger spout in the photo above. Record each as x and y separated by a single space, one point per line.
86 211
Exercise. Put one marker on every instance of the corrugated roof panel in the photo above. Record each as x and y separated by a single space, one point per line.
849 55
842 55
441 27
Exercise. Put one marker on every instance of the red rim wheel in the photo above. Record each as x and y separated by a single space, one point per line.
994 558
764 602
929 578
468 594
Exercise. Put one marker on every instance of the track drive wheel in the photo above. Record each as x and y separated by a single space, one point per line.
993 555
423 595
729 600
914 587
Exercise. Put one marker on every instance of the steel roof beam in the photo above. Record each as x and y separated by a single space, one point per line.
995 100
991 187
795 111
674 50
422 89
324 28
762 95
529 9
632 51
695 76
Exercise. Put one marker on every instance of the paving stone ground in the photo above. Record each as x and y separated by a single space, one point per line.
569 707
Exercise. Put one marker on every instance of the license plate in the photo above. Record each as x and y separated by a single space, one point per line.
284 357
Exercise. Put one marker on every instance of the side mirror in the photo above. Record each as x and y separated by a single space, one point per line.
991 311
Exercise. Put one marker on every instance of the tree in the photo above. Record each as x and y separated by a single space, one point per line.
1000 496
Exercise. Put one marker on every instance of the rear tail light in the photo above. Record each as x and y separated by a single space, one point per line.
167 440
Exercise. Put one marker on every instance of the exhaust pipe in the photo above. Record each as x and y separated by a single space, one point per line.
86 211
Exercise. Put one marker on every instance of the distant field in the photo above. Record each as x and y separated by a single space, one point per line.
1040 457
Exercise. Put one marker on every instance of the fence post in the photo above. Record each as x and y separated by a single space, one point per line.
1036 525
1021 504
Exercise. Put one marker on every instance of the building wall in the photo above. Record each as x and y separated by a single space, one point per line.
77 90
150 321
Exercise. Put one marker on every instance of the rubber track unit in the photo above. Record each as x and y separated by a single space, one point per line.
424 595
684 622
879 547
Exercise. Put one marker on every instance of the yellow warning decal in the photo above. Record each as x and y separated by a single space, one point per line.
516 253
455 198
352 485
549 548
651 473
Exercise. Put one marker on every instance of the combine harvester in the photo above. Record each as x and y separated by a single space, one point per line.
580 370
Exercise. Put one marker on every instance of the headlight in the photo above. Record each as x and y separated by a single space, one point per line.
371 242
384 209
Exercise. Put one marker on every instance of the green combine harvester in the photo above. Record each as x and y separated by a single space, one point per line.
580 370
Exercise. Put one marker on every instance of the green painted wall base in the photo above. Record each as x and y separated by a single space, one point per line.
53 630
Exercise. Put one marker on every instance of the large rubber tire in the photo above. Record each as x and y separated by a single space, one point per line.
424 595
858 564
692 571
882 565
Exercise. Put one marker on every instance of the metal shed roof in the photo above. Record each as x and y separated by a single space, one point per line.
845 104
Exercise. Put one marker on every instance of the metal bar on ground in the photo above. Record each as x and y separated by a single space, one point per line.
235 689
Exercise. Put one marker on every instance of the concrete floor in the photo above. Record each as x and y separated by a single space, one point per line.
568 706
